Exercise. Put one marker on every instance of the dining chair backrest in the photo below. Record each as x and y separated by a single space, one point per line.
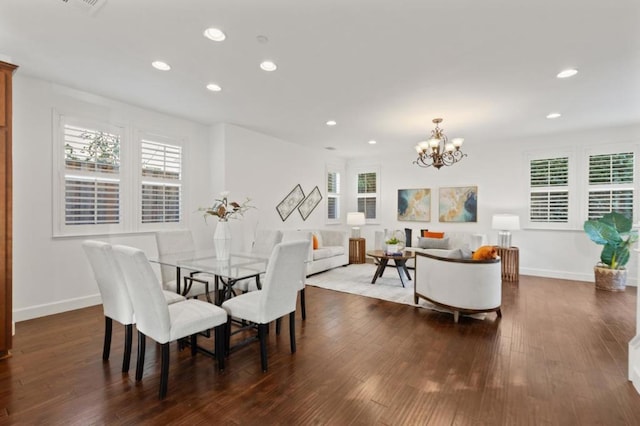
152 313
265 241
113 290
283 279
171 242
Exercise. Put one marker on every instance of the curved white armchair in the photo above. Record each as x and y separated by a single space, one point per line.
460 285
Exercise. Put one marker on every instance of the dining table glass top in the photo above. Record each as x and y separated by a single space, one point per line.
237 266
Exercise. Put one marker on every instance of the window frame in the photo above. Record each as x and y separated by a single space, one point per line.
140 180
377 195
130 177
329 168
571 188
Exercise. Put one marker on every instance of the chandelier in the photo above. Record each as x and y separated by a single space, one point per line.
438 151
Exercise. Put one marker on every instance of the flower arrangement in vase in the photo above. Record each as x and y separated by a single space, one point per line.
224 210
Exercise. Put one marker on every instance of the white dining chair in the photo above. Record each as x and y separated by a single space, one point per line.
263 244
178 241
166 323
277 297
116 303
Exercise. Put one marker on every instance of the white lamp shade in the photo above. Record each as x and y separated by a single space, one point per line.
506 222
355 218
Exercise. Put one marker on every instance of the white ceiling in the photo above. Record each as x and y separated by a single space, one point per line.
381 68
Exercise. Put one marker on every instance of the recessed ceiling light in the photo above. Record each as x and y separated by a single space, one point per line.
214 87
214 34
330 148
162 66
268 66
554 115
331 123
570 72
372 142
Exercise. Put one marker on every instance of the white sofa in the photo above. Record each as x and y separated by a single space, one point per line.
459 285
332 251
466 241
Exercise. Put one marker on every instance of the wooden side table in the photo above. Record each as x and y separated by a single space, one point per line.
356 250
510 259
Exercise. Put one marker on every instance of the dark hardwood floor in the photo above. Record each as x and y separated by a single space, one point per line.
558 357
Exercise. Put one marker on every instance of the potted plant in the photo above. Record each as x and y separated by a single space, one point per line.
613 231
392 245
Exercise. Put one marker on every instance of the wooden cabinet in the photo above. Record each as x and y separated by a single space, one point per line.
6 306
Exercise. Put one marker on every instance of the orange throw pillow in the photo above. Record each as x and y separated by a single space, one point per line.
427 234
315 242
485 253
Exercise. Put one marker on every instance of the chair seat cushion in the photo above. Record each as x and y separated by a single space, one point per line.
193 316
197 288
248 284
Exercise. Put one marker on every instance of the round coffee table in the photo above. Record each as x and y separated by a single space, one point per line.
400 262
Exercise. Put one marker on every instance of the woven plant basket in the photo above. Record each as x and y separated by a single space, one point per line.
610 279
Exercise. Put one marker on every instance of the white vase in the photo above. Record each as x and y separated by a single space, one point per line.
222 240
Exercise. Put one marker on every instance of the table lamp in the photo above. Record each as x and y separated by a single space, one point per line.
505 223
355 219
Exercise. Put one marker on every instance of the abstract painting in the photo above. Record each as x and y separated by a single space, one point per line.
414 205
310 203
290 202
459 204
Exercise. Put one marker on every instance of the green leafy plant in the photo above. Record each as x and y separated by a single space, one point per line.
393 240
613 231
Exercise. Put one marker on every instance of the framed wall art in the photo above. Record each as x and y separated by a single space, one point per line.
290 202
458 204
310 203
414 205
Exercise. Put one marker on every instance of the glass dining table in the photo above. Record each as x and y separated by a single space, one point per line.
226 272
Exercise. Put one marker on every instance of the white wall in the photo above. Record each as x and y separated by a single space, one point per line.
52 275
266 169
499 172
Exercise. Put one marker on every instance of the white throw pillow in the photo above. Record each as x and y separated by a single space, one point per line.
433 243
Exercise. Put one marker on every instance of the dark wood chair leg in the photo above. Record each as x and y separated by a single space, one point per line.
142 339
227 336
164 370
278 325
292 331
106 348
303 305
194 344
262 335
221 337
128 337
499 313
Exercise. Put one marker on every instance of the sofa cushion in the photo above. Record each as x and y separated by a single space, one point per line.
433 243
428 234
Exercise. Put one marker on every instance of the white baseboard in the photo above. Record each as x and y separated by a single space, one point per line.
563 275
38 311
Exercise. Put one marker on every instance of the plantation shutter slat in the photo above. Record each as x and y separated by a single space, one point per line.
367 194
549 193
161 167
333 195
91 180
611 180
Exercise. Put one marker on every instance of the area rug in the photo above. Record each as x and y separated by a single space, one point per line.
356 279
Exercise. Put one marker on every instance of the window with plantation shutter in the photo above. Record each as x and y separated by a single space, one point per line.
161 168
91 176
333 196
611 184
549 190
367 195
